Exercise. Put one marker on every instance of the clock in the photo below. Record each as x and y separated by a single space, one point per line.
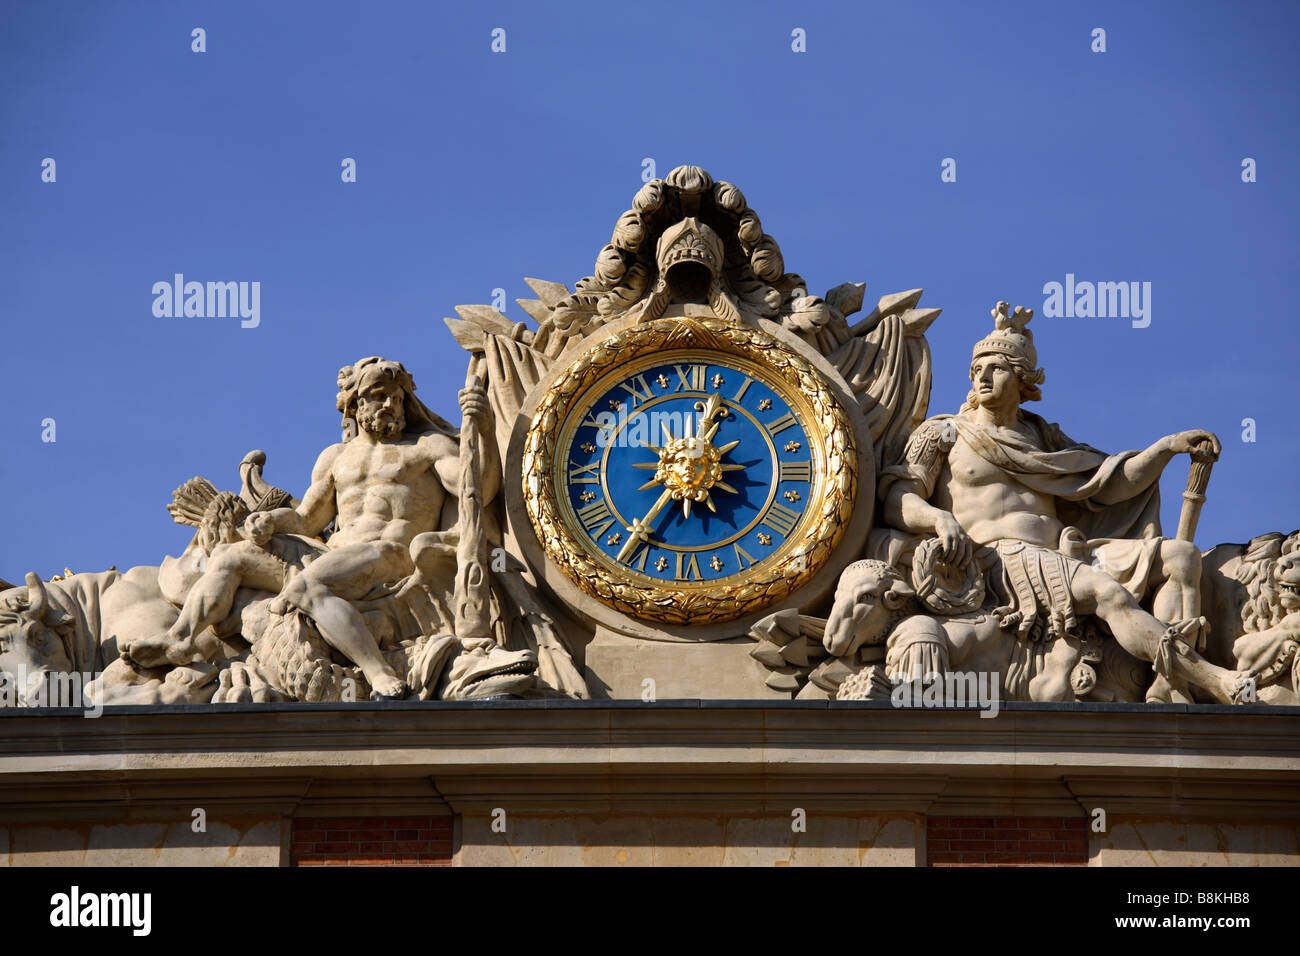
689 470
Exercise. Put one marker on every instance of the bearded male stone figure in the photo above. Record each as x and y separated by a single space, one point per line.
999 485
385 489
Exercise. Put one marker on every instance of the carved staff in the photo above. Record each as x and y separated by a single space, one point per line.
471 597
470 601
1198 479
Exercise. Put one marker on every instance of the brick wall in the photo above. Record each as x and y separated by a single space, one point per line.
371 841
1006 841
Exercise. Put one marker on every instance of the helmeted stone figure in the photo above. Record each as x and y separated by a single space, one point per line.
1058 530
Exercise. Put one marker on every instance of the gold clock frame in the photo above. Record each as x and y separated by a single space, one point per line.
800 557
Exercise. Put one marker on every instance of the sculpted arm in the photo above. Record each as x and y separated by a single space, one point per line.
907 509
1143 470
447 465
312 515
906 504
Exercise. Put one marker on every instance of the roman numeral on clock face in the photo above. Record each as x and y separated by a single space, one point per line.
781 519
596 518
785 421
638 559
638 396
743 558
793 471
687 563
589 474
696 378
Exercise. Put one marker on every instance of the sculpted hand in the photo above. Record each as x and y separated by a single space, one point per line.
956 546
474 403
258 527
1199 443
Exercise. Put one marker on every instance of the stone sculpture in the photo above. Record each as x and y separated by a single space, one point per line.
804 510
261 607
1009 547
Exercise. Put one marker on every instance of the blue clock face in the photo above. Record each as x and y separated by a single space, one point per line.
687 468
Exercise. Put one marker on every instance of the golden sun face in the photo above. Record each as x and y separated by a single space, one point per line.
690 466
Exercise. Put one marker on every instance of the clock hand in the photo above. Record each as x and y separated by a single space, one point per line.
640 530
709 411
686 488
711 427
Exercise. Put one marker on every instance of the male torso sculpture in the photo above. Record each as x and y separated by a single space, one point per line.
385 490
992 484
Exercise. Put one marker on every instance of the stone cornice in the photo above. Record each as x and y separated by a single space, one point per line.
565 756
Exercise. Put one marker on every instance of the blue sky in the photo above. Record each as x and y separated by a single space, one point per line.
476 169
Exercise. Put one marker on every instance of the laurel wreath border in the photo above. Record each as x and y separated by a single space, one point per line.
675 605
